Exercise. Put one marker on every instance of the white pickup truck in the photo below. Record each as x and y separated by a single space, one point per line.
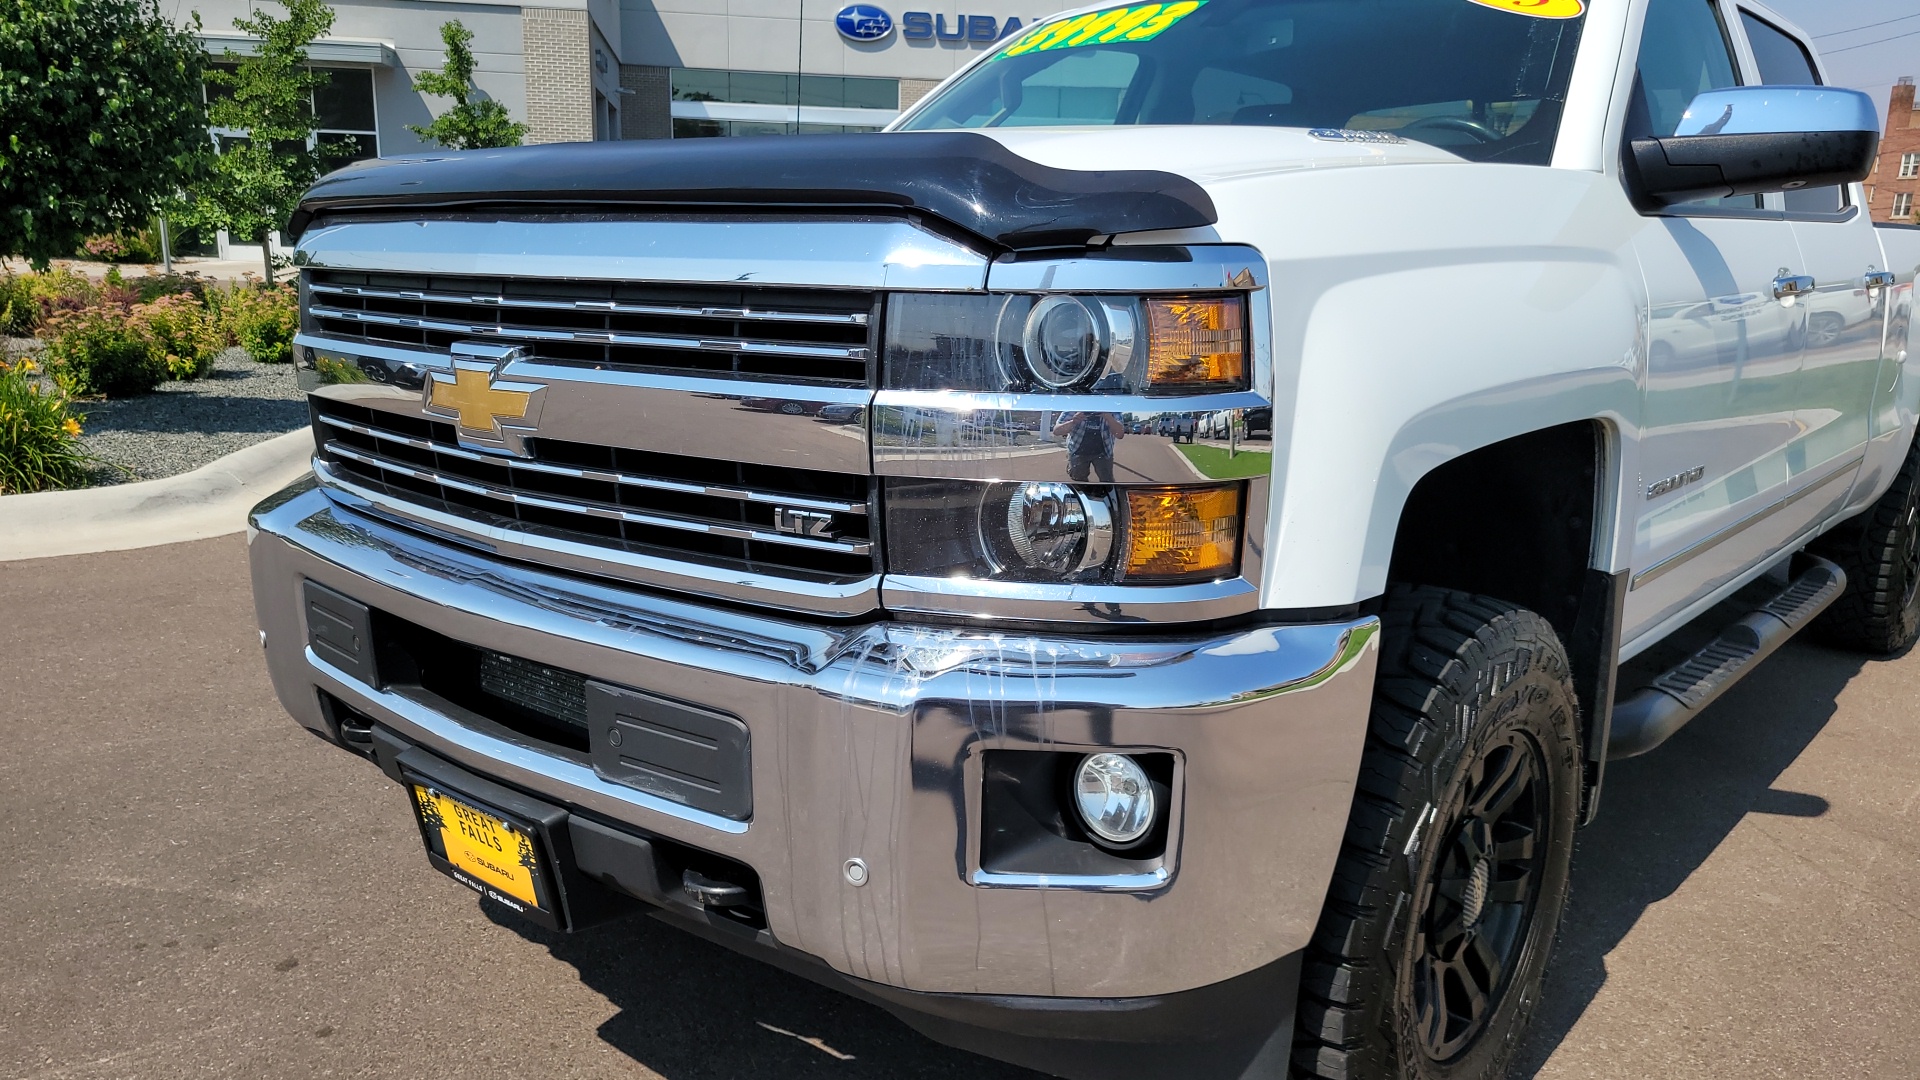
797 540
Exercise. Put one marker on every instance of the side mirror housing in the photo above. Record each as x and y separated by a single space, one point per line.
1755 140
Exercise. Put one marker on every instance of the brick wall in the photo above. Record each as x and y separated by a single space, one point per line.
1902 138
912 90
558 64
647 112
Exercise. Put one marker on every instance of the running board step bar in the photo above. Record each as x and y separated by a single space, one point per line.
1651 716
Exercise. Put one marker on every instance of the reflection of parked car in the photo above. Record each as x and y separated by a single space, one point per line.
783 405
1260 420
842 414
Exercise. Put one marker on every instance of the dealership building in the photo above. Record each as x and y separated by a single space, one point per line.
582 70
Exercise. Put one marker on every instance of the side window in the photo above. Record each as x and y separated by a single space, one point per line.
1684 52
1784 62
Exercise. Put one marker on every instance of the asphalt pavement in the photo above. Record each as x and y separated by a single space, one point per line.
195 887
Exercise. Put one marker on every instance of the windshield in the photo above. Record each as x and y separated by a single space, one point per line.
1485 79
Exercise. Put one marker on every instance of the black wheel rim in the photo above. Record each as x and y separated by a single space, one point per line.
1478 909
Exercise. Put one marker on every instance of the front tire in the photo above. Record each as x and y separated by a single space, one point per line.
1433 944
1879 614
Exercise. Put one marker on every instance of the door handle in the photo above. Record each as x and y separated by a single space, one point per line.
1881 279
1787 286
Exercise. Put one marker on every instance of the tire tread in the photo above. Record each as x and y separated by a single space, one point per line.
1433 641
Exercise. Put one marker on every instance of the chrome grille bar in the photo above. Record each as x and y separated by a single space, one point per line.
595 337
797 502
593 508
622 307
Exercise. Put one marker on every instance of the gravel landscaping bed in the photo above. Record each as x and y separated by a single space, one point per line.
187 424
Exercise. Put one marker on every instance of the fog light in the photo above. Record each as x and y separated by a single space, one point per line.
1114 797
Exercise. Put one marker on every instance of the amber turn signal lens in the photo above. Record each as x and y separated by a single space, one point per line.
1182 533
1196 342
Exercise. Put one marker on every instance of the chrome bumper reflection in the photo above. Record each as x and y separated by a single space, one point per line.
867 745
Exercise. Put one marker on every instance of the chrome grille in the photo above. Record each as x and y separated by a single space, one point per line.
808 336
717 513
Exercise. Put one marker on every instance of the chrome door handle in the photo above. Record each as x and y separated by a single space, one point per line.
1789 285
1881 279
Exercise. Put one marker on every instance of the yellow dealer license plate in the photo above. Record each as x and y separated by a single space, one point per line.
486 852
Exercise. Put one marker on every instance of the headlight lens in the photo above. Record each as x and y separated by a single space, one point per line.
1062 533
1050 528
1064 341
1072 344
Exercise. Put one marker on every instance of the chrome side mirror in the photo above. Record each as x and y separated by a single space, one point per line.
1753 140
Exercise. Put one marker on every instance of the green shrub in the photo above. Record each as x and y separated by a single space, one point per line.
39 435
60 292
262 320
139 246
98 350
154 286
182 331
19 310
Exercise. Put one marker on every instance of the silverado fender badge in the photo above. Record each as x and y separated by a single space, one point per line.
489 413
1676 481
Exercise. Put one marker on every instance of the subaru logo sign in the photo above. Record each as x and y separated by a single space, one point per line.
863 22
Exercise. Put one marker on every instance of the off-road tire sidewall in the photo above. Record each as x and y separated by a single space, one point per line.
1539 702
1458 674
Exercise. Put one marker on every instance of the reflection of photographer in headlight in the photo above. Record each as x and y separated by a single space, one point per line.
1090 438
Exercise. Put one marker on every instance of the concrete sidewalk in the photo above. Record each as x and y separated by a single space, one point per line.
212 500
212 269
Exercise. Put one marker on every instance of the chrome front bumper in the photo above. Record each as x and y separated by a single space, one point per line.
867 743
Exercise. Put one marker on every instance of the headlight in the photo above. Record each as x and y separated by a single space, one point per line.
1062 533
1064 341
1057 343
1050 529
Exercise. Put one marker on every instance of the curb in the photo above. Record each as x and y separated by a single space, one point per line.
212 500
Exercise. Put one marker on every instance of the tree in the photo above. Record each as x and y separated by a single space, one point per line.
470 124
101 120
258 178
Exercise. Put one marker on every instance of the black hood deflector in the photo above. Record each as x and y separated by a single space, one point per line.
961 177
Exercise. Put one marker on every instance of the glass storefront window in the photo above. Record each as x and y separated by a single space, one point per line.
345 103
769 88
684 128
343 110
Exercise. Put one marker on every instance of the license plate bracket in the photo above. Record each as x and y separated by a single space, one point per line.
484 849
550 892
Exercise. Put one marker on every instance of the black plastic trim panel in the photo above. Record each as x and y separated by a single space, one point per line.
961 177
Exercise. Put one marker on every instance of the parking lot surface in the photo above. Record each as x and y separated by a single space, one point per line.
195 887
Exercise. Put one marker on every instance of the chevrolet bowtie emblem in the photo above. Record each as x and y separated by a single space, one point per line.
490 412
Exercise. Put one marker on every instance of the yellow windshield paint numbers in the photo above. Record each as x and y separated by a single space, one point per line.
1137 22
1539 9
